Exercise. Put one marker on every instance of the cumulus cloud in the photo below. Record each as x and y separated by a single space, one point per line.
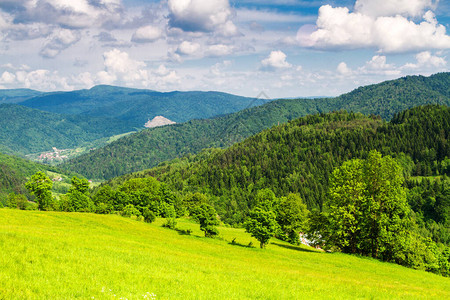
338 28
119 66
147 34
60 40
188 48
202 16
276 60
378 8
65 13
40 79
426 60
343 69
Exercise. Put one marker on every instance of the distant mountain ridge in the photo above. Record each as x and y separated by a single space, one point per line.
148 148
137 106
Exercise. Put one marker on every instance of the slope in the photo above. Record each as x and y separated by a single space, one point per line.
17 95
70 255
150 147
24 130
299 156
14 172
137 106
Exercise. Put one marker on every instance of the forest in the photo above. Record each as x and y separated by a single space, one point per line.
148 148
282 181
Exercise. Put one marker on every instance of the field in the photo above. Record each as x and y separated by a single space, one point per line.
50 255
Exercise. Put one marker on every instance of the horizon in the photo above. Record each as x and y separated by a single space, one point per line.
285 49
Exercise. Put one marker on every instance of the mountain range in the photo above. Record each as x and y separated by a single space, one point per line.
150 147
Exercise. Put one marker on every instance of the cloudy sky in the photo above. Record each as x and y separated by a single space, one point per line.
286 48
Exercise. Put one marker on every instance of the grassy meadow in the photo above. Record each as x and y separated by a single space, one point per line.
53 255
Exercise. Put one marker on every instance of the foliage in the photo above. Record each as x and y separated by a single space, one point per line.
149 216
77 198
40 186
149 148
298 157
368 212
261 222
206 215
24 130
17 201
292 215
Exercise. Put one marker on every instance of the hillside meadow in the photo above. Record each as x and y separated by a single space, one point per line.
53 255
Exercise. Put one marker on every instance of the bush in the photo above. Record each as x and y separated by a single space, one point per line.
171 223
130 210
149 216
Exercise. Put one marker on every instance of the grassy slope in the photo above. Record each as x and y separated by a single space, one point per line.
48 255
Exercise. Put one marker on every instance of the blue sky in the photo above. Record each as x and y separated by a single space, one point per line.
286 48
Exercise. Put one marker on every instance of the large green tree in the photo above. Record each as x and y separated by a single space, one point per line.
41 186
207 217
368 211
261 222
292 214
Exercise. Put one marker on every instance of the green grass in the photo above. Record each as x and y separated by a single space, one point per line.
51 255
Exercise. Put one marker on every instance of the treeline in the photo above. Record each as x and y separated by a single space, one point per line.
299 156
151 147
15 171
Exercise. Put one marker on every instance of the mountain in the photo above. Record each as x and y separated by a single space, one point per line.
24 130
151 147
299 156
17 95
136 106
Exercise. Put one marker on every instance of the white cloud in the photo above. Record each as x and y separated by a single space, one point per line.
343 69
378 8
426 60
58 41
119 66
147 34
202 16
7 78
64 13
338 28
276 60
219 50
40 79
188 48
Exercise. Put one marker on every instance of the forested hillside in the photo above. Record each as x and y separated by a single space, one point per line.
150 147
14 172
137 106
17 95
24 130
299 156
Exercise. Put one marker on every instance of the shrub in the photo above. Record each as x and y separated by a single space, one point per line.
149 216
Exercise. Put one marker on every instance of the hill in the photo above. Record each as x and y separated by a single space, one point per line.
17 95
24 130
136 106
15 171
299 156
48 255
148 148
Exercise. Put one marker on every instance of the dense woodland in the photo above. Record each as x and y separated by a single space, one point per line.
348 182
136 106
262 183
24 130
148 148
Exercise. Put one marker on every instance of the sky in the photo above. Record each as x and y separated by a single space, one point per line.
285 48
